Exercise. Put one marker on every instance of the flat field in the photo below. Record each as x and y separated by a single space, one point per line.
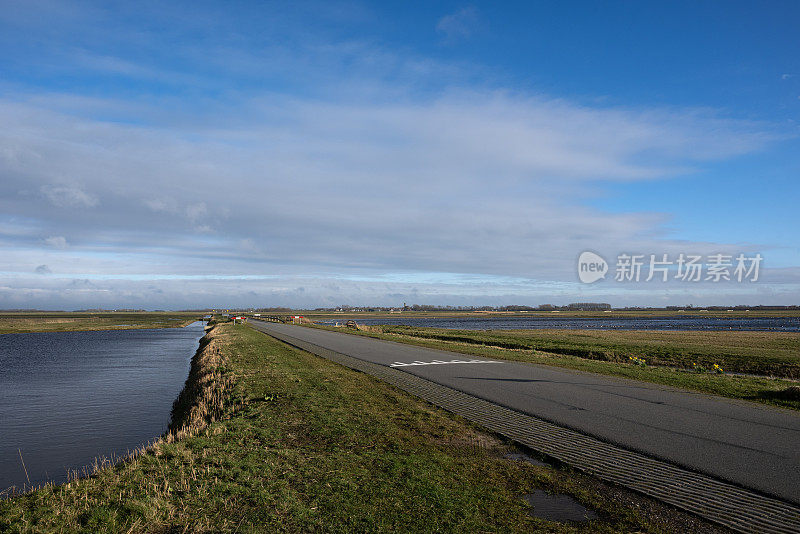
23 322
611 314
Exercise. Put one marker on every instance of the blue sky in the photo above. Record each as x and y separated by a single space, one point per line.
319 153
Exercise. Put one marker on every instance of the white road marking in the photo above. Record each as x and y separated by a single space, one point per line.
439 362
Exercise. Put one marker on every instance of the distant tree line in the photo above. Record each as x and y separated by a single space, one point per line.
577 306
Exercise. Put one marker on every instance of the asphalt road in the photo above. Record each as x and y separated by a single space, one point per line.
755 446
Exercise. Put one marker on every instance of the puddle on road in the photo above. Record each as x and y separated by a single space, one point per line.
522 457
556 507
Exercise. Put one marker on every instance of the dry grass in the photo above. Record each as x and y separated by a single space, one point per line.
207 392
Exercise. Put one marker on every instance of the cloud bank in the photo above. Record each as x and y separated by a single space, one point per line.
356 178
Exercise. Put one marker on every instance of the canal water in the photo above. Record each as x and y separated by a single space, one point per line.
67 398
780 324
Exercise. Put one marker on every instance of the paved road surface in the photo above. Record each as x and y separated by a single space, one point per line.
751 445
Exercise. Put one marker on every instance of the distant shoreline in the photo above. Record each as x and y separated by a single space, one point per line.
29 323
555 313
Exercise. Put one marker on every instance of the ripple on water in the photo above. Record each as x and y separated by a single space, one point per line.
68 397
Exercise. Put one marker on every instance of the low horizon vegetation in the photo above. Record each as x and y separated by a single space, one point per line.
555 314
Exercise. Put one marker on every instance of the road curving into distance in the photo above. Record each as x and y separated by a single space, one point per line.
746 444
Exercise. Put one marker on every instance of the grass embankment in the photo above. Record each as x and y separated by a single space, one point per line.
668 355
12 323
301 444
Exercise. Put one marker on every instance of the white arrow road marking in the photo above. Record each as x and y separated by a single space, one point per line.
439 362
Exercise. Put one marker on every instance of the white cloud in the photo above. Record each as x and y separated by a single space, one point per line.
110 64
64 292
58 241
459 25
159 204
196 211
469 182
68 196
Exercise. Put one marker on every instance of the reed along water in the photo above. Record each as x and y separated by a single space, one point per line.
67 398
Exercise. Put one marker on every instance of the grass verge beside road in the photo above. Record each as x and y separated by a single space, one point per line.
299 444
667 355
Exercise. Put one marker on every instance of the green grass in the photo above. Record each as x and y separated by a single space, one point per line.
301 444
669 355
25 322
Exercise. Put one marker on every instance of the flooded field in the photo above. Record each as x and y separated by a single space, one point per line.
779 324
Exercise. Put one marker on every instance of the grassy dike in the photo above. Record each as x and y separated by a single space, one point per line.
268 438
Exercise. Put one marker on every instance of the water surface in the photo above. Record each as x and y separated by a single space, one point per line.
69 397
782 324
558 507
